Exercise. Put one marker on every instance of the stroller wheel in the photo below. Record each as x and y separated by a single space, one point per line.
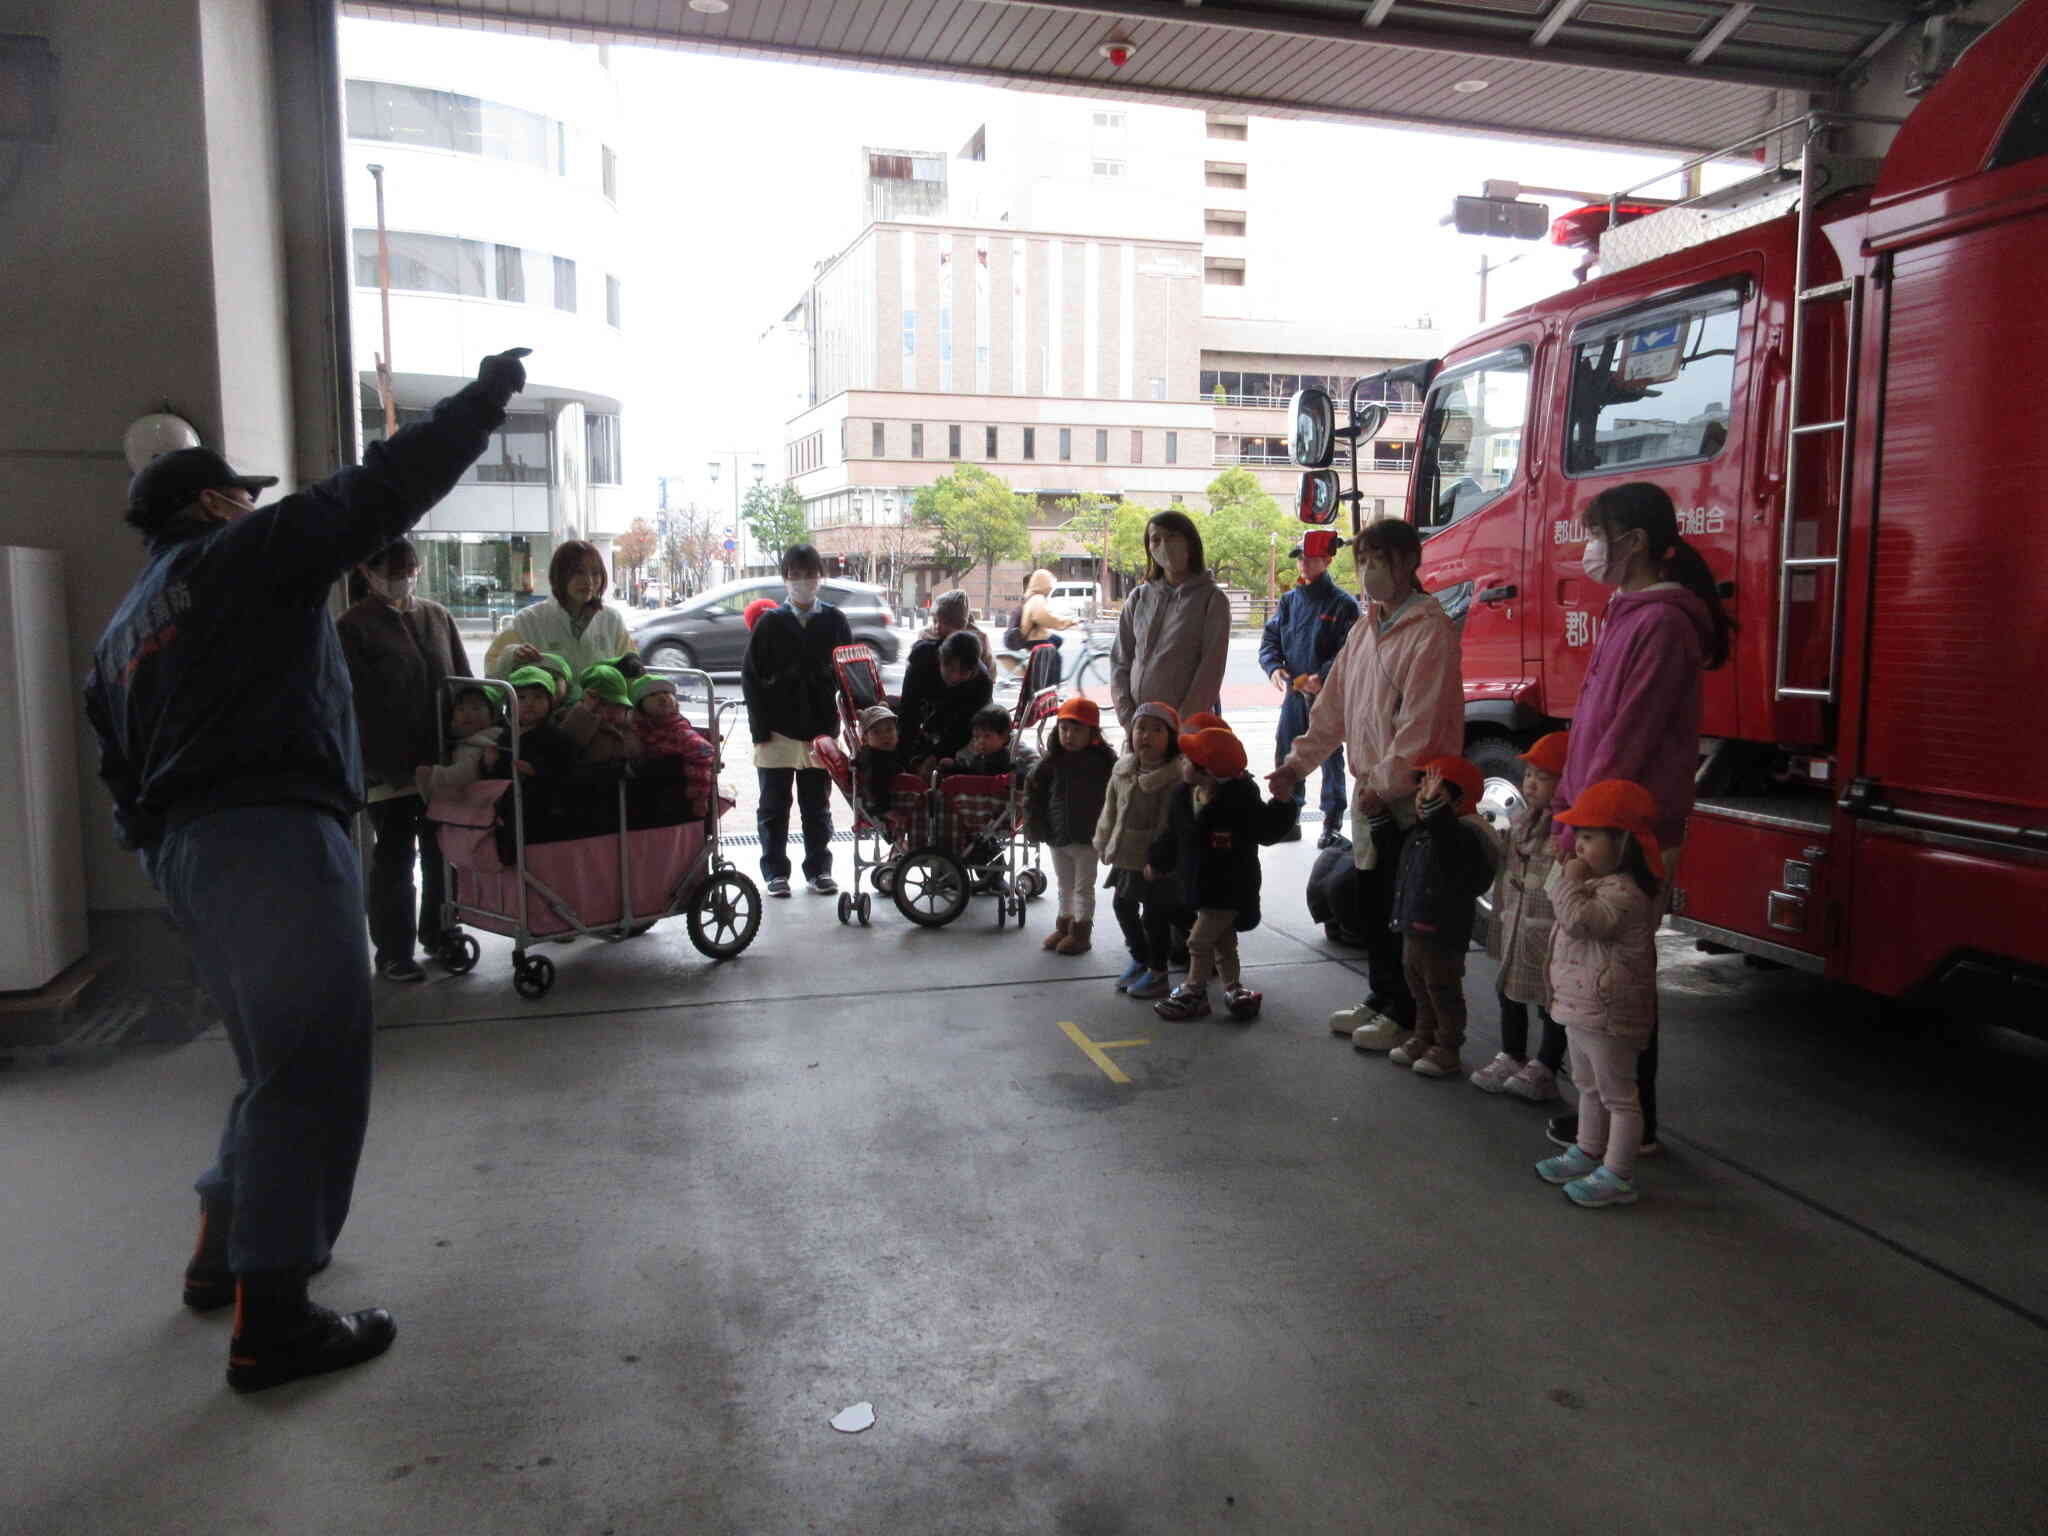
1033 882
1002 913
845 907
884 878
864 909
725 914
533 975
1021 898
458 953
930 887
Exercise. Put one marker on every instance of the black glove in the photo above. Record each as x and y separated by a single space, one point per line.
503 374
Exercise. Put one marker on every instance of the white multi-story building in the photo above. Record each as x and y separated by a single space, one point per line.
501 163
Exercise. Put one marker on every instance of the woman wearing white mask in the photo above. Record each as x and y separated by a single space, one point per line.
1173 639
399 647
791 696
1394 699
574 624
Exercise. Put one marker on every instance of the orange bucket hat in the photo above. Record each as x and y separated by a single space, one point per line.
1087 711
1548 752
1204 720
1456 770
1619 803
1217 751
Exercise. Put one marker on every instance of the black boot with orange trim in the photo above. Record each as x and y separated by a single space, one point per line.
281 1336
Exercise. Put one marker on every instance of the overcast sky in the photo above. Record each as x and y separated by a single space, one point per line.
745 174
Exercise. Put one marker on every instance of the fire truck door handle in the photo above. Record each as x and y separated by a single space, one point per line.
1778 404
1498 594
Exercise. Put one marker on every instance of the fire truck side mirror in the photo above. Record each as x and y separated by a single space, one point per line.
1312 416
1365 425
1320 498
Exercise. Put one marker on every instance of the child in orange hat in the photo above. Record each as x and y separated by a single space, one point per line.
1063 800
1215 822
1603 982
1518 938
1447 864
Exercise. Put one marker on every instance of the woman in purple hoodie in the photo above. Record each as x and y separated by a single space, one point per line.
1639 708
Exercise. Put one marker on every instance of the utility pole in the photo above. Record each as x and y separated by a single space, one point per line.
1487 267
384 294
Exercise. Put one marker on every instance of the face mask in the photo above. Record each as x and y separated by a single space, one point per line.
1378 582
803 591
395 590
1172 554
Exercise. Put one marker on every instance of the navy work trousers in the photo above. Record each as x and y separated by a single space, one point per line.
270 899
1293 721
814 805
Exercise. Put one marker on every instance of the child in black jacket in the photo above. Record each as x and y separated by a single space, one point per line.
1214 825
877 763
1447 863
1063 800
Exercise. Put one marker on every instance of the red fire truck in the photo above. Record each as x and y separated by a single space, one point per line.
1840 375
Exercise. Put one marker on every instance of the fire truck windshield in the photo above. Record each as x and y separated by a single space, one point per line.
1471 441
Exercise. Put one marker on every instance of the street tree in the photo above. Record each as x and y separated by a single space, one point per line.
695 545
633 548
774 514
1243 529
976 520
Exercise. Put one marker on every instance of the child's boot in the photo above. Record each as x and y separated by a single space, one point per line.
1076 940
1054 939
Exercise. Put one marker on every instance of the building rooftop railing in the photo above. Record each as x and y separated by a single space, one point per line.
1279 403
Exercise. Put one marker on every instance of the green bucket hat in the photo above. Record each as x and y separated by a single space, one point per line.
606 683
650 684
533 677
559 666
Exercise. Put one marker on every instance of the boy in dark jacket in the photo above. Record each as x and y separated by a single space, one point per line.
1447 863
1063 801
1214 825
791 699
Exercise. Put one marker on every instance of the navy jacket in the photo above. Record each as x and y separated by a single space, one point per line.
1308 628
1446 866
1214 852
787 677
220 681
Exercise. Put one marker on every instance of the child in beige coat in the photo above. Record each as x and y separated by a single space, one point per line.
1133 814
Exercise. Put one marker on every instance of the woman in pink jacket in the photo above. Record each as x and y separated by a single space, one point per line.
1394 700
1639 709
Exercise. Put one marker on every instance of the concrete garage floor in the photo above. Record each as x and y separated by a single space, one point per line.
646 1237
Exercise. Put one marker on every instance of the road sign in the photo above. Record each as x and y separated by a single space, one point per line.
730 546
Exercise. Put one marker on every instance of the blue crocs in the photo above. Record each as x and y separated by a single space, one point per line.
1603 1186
1567 1165
1135 972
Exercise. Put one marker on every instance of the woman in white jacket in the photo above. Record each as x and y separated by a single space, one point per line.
574 623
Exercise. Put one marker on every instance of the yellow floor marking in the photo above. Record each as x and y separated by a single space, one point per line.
1093 1050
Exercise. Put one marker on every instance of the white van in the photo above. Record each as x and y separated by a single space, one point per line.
1074 599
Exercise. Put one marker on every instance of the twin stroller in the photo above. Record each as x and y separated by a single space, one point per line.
942 842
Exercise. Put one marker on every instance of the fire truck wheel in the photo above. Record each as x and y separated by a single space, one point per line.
1500 768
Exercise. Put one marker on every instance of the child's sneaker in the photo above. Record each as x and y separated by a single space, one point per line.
1438 1061
1567 1165
1135 972
1154 984
1603 1186
1408 1052
1184 1003
1533 1081
1493 1077
1243 1002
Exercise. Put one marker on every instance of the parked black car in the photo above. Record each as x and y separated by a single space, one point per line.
709 631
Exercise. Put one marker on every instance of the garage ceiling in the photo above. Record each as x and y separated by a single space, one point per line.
1689 75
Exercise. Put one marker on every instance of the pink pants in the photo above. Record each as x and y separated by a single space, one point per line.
1610 1115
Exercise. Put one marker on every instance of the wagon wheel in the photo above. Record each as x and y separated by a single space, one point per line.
532 975
931 887
458 953
725 914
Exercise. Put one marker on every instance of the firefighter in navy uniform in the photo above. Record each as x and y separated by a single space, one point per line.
228 738
1301 641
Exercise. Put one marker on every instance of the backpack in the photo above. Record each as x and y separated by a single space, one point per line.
1013 637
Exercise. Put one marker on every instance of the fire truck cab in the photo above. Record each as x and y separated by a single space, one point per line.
1839 372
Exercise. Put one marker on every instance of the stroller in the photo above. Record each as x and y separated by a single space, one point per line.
940 844
612 886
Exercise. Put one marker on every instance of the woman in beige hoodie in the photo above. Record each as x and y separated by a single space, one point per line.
1394 700
1173 639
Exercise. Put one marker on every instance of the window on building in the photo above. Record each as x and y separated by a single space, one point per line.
1173 447
561 149
993 443
917 439
1397 456
1652 386
601 440
565 284
420 118
1222 221
1217 173
1102 445
1223 271
1109 120
424 263
517 453
614 301
511 273
907 167
1227 127
1109 169
909 335
1159 389
976 147
953 443
1066 444
880 437
1031 442
1137 447
610 158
